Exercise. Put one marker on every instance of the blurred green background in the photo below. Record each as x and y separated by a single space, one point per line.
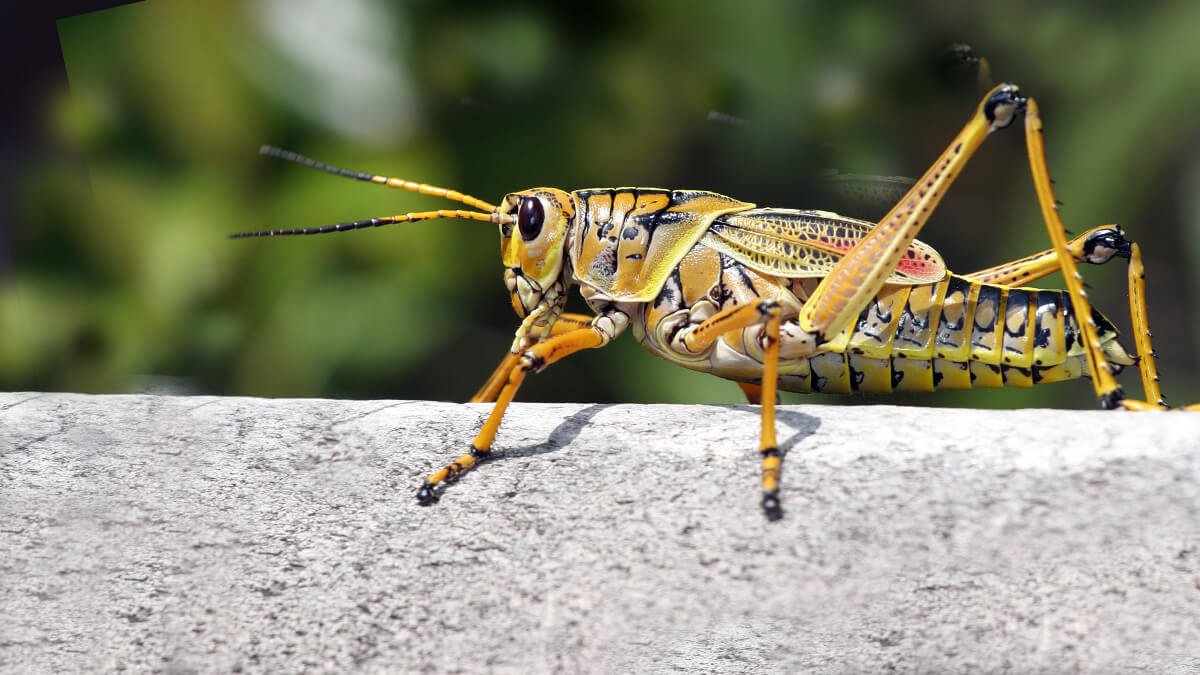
123 279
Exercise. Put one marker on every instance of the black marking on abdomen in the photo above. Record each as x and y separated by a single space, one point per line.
907 318
1048 303
1103 325
602 232
1017 298
885 316
1026 372
987 294
1070 328
856 377
957 287
864 319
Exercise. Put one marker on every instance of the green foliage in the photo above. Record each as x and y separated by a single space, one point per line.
124 278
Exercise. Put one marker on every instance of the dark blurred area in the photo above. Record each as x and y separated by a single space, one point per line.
123 174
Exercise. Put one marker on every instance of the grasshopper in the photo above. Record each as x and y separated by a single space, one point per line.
798 300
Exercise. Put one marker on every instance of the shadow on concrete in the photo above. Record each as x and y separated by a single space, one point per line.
800 424
562 436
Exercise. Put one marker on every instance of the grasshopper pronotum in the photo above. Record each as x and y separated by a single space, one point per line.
788 299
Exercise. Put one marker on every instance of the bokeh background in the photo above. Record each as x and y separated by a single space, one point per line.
117 276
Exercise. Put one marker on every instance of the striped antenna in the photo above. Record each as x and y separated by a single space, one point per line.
423 188
376 222
492 215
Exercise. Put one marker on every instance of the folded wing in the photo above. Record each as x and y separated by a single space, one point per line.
807 244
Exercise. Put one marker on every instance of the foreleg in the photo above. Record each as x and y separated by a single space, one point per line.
599 332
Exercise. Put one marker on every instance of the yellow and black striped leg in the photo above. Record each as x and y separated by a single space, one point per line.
534 359
768 446
491 388
1107 390
862 272
1141 336
766 311
1147 368
1097 246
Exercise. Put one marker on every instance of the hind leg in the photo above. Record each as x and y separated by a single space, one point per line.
1096 246
1107 390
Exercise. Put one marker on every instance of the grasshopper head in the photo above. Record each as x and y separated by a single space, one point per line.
533 230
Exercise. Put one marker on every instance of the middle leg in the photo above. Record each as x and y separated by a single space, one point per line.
700 337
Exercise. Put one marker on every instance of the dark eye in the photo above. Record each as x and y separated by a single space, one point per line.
530 217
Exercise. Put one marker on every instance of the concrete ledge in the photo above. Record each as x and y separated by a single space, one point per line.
163 533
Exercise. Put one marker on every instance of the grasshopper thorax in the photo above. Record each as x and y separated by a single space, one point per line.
533 232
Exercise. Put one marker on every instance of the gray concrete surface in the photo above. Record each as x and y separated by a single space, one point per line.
218 534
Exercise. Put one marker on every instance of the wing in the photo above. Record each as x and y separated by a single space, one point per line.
802 244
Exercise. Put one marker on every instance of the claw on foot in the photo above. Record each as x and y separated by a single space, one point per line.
1112 400
771 505
426 495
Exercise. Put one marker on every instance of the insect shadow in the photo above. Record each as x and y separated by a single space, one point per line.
561 437
564 434
801 425
568 430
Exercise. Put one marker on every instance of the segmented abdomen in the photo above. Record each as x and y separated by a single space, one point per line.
953 334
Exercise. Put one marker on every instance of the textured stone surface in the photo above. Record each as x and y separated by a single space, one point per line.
220 533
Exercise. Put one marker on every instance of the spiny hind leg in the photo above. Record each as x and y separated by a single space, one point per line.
1107 390
1141 334
599 332
1096 246
858 277
862 272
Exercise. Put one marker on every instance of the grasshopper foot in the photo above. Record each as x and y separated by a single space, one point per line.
772 508
427 495
1112 400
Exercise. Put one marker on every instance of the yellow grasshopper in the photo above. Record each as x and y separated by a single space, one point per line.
790 299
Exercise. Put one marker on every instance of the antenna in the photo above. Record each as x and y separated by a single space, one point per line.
423 188
376 222
492 215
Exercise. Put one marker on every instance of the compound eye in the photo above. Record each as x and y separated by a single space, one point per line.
530 217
